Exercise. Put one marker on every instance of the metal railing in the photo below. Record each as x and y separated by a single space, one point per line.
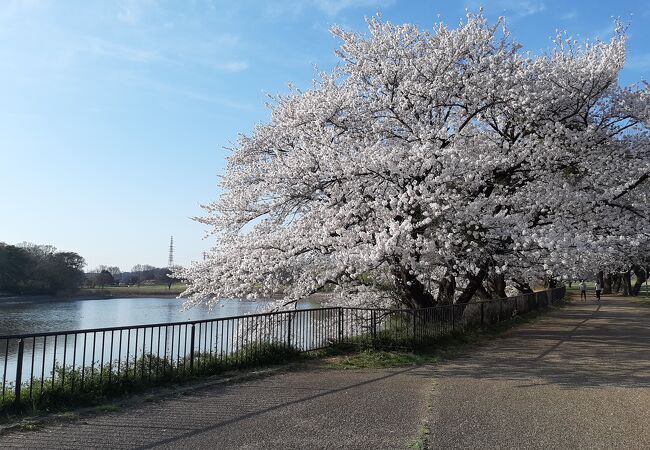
55 365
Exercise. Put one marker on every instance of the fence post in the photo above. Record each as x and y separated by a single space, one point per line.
289 331
192 350
482 312
500 308
19 370
340 324
453 317
415 329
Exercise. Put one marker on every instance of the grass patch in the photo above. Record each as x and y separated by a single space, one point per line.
135 291
420 441
68 416
28 426
108 408
376 359
363 356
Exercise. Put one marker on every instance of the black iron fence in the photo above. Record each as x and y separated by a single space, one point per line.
46 367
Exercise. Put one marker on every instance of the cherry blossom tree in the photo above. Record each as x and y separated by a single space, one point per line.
434 167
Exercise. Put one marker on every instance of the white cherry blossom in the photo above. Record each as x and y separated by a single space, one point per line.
434 167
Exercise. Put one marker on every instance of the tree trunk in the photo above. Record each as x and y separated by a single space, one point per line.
522 286
600 278
550 283
617 282
482 293
626 281
607 284
447 289
475 282
412 293
641 277
496 285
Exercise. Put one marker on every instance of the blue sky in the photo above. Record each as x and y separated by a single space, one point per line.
115 114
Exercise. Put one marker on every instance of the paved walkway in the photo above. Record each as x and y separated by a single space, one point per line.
312 409
578 378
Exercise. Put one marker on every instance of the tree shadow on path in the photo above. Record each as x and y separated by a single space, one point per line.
583 345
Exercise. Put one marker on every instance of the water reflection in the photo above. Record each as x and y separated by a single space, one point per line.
35 316
42 354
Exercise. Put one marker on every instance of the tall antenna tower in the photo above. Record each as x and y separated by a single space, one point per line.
170 261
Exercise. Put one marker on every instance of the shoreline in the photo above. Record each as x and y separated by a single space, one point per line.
98 295
81 296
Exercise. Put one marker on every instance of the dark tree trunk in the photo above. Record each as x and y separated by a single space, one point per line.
607 284
522 286
474 284
411 292
447 289
482 293
641 277
600 278
617 282
496 284
550 283
626 280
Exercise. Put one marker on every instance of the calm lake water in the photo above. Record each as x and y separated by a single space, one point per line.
26 316
34 316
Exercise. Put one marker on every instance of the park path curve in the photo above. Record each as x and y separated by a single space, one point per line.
577 378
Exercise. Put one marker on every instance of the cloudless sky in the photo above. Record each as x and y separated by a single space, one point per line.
114 114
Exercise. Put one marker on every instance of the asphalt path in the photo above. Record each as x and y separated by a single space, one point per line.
306 409
577 378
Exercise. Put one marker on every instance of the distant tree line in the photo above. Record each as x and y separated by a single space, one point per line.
103 276
29 268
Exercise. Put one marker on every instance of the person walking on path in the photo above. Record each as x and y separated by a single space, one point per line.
598 289
583 290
